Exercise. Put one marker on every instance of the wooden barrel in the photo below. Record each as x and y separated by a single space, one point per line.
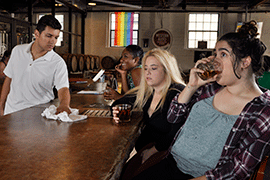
67 58
71 61
87 62
74 63
80 60
93 62
108 62
97 62
262 171
64 56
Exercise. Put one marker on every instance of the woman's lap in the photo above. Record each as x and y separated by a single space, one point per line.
164 170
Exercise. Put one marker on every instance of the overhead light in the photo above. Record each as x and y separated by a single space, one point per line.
58 4
92 4
119 4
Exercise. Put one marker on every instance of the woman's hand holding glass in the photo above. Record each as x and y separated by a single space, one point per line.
195 80
111 94
115 115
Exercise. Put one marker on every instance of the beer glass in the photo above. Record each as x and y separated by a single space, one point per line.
210 69
124 112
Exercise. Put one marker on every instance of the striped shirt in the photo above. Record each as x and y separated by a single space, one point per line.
248 141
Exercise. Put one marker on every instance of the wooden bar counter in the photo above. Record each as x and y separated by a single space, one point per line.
33 147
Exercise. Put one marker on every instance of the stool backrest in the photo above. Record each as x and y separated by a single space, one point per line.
262 172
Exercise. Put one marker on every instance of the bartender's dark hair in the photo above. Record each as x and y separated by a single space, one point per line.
48 20
136 51
244 43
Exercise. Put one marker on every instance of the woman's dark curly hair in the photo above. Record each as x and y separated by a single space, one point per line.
244 43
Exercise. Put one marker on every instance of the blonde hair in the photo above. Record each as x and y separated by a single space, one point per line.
172 72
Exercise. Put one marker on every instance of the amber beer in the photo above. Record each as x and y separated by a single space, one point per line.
124 112
210 69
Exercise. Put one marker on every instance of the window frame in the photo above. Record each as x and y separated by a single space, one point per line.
111 30
196 40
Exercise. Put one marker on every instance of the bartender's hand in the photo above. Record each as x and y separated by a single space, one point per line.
64 98
115 114
63 108
147 153
111 94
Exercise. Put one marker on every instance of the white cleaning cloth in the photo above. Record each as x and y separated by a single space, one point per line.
49 113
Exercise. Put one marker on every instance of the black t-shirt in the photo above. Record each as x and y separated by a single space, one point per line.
157 129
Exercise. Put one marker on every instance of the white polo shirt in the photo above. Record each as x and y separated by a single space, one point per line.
33 81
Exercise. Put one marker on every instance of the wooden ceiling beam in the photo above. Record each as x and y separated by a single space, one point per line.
66 3
255 3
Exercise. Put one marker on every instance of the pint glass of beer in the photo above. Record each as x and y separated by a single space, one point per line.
124 112
210 69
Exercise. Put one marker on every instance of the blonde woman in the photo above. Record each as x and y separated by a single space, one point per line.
161 81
